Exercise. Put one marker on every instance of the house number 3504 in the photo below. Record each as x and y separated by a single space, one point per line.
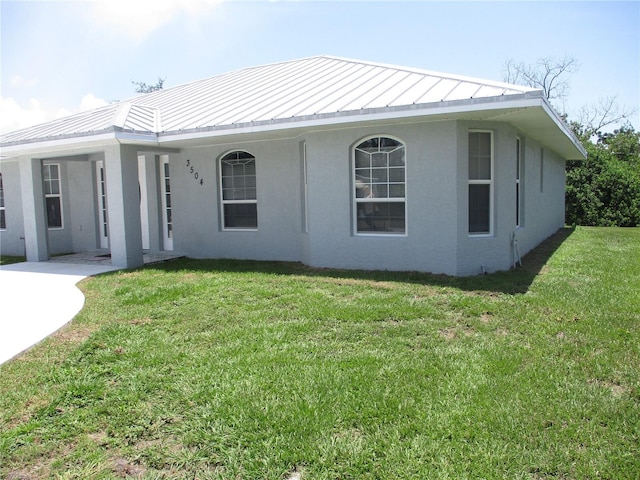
195 173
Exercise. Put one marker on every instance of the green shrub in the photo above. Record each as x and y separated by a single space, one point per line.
604 189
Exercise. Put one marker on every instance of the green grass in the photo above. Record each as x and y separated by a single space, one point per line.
259 370
7 260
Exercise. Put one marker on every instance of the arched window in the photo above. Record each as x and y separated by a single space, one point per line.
238 191
379 186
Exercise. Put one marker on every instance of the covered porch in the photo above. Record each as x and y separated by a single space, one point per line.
111 205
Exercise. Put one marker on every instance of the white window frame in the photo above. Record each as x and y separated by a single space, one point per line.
166 202
357 200
224 202
518 182
47 166
482 182
3 211
103 217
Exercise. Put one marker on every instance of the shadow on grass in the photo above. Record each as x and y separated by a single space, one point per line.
515 281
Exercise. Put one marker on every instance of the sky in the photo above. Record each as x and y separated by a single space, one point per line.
58 58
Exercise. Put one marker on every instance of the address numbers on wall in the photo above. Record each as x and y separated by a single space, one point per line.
194 172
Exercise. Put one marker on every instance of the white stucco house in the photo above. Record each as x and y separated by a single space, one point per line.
328 161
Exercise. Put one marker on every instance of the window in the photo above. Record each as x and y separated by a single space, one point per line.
518 187
379 186
53 197
167 208
3 220
480 182
238 190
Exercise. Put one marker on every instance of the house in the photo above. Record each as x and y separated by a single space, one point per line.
327 161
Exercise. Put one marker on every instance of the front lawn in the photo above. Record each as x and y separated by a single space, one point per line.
263 370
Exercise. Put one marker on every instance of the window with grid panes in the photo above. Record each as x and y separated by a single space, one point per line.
52 194
380 186
238 191
480 182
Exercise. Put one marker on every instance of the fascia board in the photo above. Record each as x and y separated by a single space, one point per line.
137 138
562 125
80 142
55 145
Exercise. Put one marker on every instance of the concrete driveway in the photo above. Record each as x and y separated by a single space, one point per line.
37 299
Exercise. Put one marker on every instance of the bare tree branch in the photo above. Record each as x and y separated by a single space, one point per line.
596 116
548 74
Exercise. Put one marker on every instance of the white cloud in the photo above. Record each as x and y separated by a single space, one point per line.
90 101
14 116
19 81
137 19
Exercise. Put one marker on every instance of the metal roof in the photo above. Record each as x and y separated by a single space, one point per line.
281 93
278 91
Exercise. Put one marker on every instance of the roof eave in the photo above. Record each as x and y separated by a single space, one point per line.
530 112
80 141
349 116
570 147
564 127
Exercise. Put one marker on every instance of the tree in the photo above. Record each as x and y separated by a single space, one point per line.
604 189
142 87
594 117
548 74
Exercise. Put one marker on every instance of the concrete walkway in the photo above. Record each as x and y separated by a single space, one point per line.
37 299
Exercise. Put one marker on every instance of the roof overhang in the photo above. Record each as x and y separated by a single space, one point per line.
528 112
78 143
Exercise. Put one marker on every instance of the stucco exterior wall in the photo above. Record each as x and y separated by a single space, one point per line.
309 218
11 242
542 208
330 241
487 253
82 210
77 184
198 224
429 243
436 239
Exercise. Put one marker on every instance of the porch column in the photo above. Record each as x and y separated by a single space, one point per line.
33 210
123 202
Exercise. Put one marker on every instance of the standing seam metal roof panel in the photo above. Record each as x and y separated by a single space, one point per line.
288 105
239 92
336 95
277 93
293 105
